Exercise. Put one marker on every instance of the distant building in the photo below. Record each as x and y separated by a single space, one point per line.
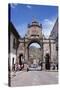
54 35
54 32
13 42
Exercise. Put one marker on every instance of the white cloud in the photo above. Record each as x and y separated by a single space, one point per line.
47 25
22 29
35 45
29 6
13 5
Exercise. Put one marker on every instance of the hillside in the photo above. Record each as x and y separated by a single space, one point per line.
35 52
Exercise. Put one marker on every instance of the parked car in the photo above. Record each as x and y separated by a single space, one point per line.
34 67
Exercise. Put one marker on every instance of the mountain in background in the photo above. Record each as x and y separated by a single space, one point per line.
35 52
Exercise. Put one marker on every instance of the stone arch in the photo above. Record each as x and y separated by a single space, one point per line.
34 41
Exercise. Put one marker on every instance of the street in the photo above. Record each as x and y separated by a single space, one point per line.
31 78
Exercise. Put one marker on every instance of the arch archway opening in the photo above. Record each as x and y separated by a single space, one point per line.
20 58
34 53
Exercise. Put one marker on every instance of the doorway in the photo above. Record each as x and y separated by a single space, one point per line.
20 59
47 61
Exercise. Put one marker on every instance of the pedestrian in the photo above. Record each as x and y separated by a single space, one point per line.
13 68
14 71
41 65
16 67
47 63
57 66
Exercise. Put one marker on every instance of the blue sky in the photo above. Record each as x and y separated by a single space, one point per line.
22 14
35 45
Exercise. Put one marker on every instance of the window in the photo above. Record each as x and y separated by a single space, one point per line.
56 48
13 61
14 43
13 65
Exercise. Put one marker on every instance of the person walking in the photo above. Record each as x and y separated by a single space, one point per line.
47 63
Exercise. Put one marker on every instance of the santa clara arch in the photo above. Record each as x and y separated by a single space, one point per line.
34 35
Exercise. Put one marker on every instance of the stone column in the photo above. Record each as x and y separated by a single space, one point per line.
26 53
43 66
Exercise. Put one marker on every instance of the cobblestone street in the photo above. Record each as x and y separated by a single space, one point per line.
24 78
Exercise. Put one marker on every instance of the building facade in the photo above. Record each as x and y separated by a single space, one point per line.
34 34
54 35
19 47
13 42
